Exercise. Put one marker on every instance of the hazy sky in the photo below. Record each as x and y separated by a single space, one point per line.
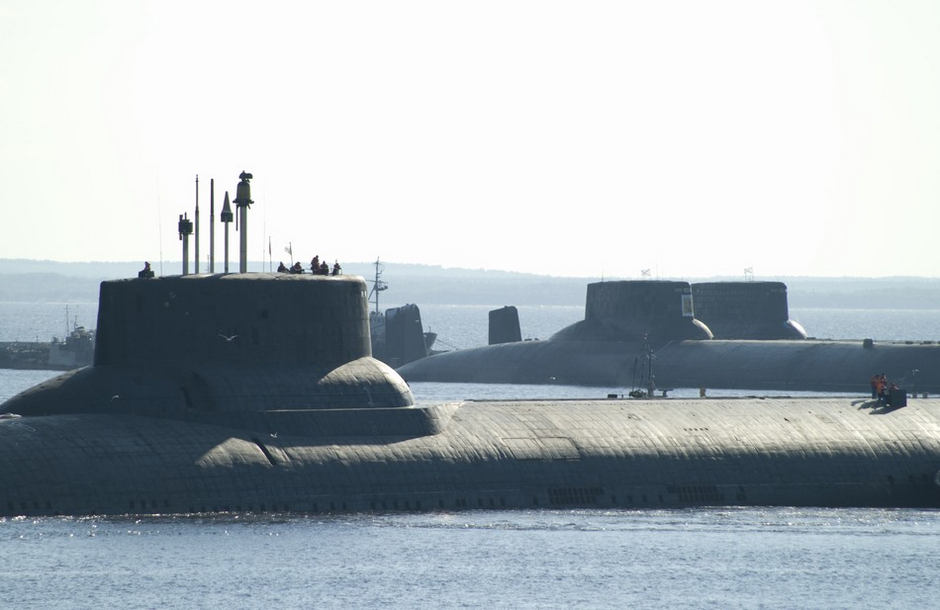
693 138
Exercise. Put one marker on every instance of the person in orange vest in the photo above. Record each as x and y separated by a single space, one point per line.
882 385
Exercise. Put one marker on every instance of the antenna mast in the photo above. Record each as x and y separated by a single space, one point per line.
212 225
197 224
377 285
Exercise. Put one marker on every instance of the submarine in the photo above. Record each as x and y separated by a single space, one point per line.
258 392
646 333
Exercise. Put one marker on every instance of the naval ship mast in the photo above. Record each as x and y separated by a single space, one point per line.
378 285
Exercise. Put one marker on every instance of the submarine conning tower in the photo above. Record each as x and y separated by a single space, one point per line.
246 318
745 310
217 348
634 310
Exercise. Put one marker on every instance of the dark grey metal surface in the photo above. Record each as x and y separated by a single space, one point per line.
625 321
248 318
618 453
823 366
504 326
745 310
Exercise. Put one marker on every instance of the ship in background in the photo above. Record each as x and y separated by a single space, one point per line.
76 350
720 335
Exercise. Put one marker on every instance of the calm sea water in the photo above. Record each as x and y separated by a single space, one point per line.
773 558
729 558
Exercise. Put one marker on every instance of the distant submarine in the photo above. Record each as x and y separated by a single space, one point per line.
660 334
257 392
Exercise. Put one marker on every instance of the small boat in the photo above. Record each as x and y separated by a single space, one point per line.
75 351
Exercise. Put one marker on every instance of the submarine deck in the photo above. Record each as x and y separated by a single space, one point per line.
500 454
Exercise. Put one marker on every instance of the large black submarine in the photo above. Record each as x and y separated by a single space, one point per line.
721 335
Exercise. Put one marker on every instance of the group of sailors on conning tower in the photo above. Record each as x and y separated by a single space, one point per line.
316 267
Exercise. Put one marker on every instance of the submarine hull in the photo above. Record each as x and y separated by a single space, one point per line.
633 329
810 365
508 454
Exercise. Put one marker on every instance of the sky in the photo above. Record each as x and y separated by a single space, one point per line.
583 139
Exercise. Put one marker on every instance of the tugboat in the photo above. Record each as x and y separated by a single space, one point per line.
75 351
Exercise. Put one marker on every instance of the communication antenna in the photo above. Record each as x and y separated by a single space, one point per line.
196 257
212 225
749 274
646 273
185 228
264 217
160 224
226 218
243 201
650 378
378 285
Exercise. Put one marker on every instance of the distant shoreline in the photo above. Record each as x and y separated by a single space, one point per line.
29 281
